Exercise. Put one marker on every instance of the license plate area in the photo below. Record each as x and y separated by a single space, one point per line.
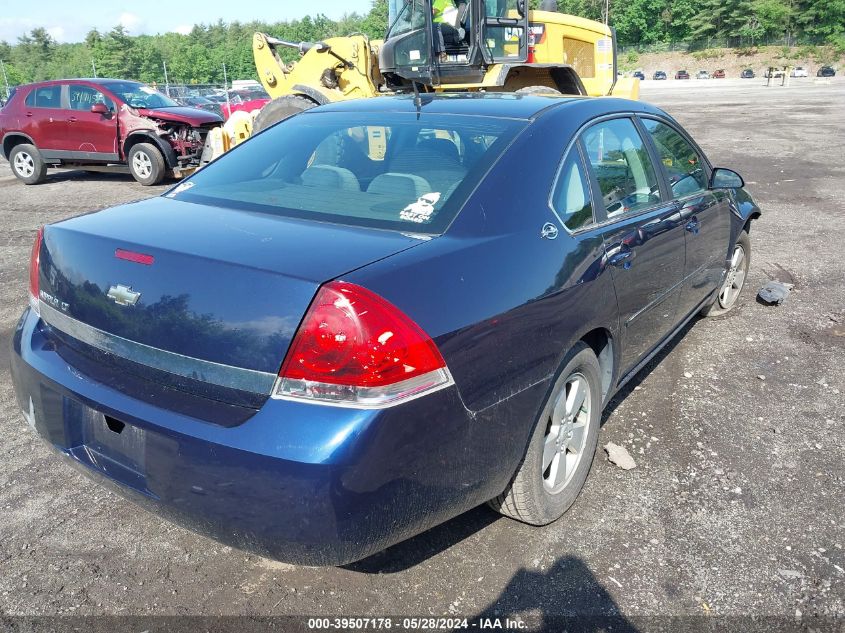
114 447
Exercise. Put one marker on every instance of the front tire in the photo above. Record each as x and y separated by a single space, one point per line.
146 164
280 109
28 164
734 281
562 447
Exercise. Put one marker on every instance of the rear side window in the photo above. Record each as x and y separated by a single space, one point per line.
380 170
45 97
682 163
622 166
571 198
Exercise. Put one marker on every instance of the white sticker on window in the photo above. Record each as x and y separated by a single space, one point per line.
414 55
421 210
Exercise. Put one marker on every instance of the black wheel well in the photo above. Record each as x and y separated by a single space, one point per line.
133 140
166 150
601 342
747 227
11 140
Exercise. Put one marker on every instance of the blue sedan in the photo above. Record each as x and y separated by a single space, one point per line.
376 315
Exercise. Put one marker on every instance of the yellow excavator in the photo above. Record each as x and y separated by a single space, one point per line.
441 46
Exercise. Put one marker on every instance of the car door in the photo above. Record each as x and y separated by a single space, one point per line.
90 134
643 234
44 119
705 213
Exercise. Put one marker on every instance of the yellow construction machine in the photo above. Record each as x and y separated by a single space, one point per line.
442 46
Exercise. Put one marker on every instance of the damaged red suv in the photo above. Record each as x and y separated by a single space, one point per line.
100 123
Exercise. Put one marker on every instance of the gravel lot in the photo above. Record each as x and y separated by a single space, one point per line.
738 430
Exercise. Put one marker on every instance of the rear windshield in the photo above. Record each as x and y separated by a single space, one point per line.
379 170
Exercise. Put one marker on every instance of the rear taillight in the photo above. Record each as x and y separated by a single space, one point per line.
33 271
356 349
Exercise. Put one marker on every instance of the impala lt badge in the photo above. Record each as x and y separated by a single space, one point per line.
123 295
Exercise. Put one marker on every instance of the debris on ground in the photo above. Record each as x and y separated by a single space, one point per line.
619 456
774 292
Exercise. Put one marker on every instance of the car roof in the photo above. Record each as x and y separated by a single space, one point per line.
91 80
499 104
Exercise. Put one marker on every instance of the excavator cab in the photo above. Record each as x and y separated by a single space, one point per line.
443 45
448 42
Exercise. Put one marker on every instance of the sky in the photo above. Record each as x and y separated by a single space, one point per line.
70 20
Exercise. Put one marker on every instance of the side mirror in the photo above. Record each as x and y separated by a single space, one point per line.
722 178
99 108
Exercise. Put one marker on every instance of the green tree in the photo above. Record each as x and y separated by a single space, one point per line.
721 18
374 25
822 18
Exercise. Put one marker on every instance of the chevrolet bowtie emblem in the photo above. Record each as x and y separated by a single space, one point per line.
123 295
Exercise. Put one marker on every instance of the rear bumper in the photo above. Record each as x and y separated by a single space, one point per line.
298 482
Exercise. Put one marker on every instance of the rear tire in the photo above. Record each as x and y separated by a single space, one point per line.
562 447
146 164
734 281
538 90
28 164
280 109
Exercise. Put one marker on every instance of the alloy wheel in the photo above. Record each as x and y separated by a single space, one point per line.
24 164
142 164
735 278
566 434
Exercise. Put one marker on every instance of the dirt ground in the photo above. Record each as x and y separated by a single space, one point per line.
738 430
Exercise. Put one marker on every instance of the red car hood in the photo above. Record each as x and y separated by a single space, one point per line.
191 116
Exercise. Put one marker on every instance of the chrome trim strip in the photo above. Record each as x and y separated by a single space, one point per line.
170 362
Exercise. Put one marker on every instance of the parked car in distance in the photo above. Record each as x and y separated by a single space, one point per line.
244 100
773 73
799 71
202 103
826 71
659 75
702 74
719 74
298 338
98 123
639 75
682 74
747 74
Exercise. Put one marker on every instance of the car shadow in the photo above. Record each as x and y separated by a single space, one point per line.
566 597
65 175
417 549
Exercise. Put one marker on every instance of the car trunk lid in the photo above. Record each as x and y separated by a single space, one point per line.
198 297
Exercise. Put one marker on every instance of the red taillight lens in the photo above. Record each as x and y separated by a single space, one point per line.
355 348
33 270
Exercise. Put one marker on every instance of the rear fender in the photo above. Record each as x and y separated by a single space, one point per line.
627 88
562 77
320 96
14 138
